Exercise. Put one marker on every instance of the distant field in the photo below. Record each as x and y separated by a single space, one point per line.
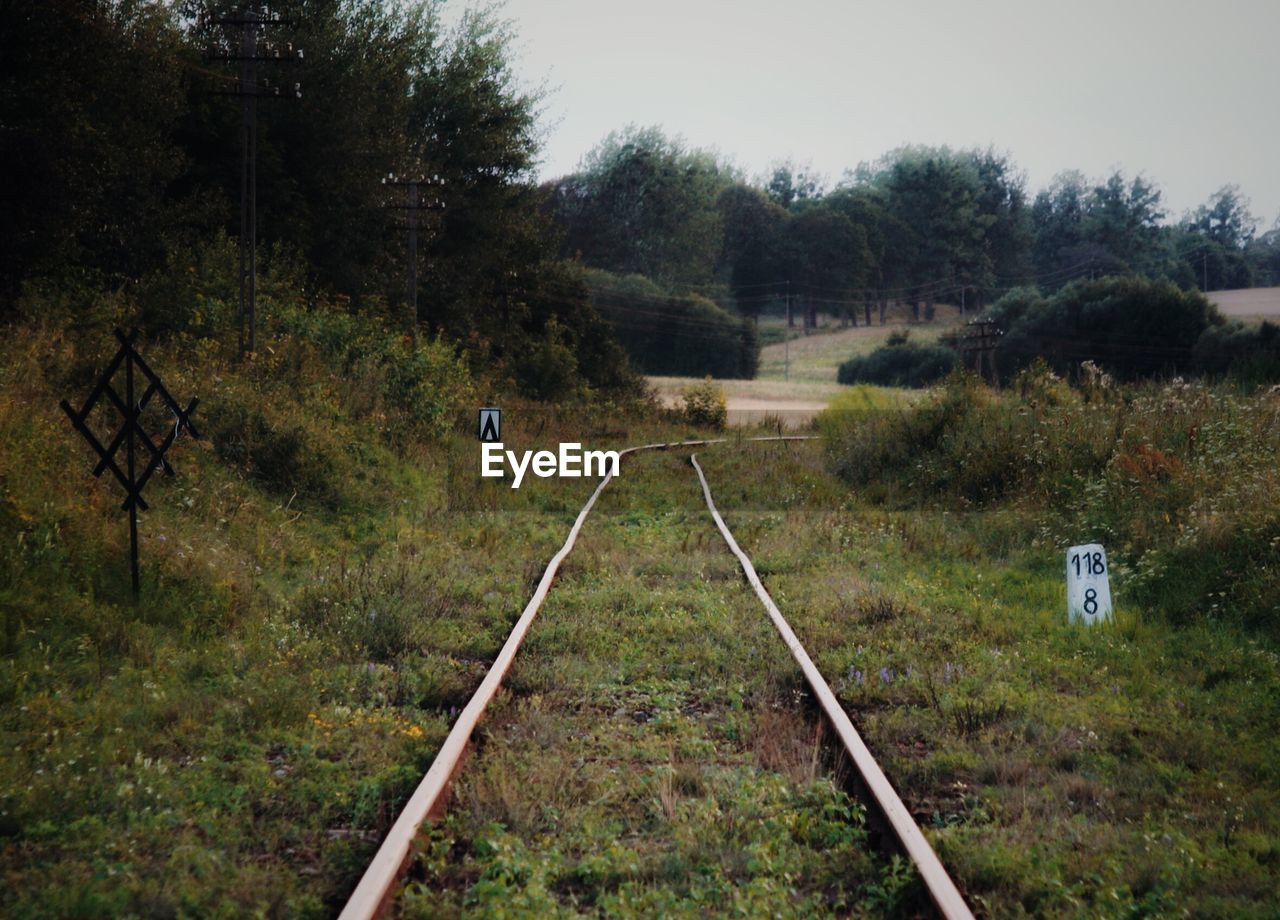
795 404
1249 302
752 401
815 358
796 397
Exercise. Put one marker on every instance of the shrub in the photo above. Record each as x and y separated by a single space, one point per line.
1014 305
900 364
1249 353
1166 476
677 335
1133 327
705 405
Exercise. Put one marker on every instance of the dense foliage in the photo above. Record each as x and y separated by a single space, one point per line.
123 122
1131 326
921 225
677 335
1166 475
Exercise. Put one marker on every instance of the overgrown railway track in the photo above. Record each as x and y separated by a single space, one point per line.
372 895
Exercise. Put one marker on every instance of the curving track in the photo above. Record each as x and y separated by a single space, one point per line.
372 894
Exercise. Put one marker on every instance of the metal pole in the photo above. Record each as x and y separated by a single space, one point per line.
131 419
253 189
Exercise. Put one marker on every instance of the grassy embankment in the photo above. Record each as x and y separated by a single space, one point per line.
1121 771
814 358
1126 770
318 596
239 739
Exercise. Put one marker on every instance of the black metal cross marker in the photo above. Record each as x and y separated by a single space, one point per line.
131 432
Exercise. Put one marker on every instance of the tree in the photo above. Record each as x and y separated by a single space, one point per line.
1225 219
830 258
753 246
1058 230
888 242
1124 218
1083 230
1003 199
90 93
643 203
789 184
936 193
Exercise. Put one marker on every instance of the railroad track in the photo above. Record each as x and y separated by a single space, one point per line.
372 895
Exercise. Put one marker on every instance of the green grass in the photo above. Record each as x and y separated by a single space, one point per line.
316 602
1059 771
325 582
653 753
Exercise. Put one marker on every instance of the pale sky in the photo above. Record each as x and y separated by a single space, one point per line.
1183 92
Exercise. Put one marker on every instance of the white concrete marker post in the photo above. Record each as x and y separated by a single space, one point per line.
1088 585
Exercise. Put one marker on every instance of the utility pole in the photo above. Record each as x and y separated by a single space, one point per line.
249 182
251 22
981 341
412 282
1204 262
786 338
413 207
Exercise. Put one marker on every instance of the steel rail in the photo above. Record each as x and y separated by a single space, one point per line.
370 897
941 888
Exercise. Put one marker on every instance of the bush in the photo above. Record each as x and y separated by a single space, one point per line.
1014 305
900 364
1166 476
1132 327
676 335
705 405
1248 353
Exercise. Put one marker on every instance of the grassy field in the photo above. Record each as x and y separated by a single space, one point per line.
1249 303
653 754
1127 770
814 359
319 594
325 581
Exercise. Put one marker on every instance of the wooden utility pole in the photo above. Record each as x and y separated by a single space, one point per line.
786 338
980 342
251 22
413 207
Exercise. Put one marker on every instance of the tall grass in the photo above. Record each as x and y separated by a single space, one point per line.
1175 478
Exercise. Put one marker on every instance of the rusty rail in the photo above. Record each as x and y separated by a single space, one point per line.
370 897
941 888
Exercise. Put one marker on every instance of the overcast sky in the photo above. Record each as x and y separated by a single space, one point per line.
1183 92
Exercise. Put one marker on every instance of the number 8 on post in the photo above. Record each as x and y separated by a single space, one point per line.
1088 585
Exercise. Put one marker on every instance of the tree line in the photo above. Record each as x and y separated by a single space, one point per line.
920 225
121 148
120 145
